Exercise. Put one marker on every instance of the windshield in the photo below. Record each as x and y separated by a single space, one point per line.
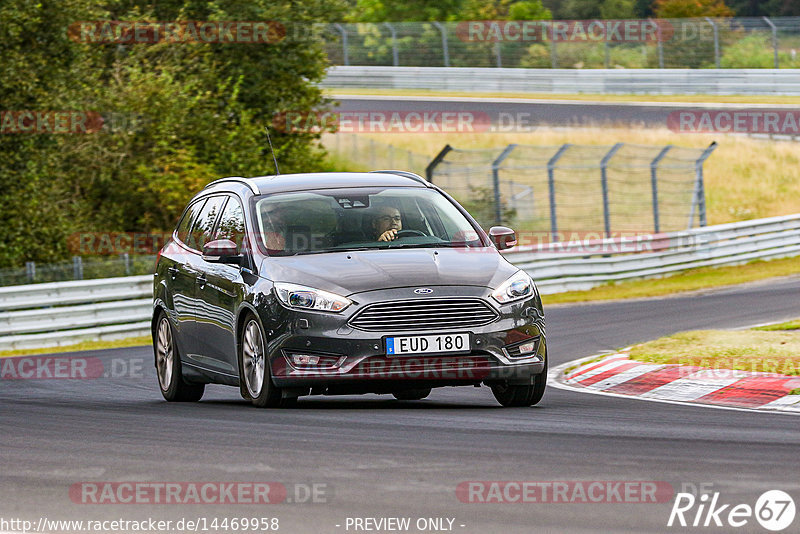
333 220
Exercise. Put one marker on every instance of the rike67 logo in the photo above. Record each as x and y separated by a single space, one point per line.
774 510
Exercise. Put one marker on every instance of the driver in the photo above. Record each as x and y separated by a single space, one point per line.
387 223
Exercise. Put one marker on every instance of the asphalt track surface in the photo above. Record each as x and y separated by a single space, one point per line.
378 457
509 115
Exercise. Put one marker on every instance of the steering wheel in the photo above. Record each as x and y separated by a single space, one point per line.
409 233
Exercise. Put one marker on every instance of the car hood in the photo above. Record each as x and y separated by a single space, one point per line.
347 273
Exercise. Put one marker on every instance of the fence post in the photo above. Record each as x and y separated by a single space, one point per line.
700 187
498 55
395 56
654 185
774 40
77 268
551 184
607 50
553 55
30 271
435 162
445 51
345 57
659 47
716 40
126 262
604 184
498 211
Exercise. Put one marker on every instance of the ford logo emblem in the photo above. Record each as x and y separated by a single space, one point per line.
423 291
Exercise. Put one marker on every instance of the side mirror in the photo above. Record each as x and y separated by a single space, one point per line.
222 251
502 237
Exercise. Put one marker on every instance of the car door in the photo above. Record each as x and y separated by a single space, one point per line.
180 275
192 272
220 292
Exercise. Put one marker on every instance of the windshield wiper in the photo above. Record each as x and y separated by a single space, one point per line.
419 245
325 251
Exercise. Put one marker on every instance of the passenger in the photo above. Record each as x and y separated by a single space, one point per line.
275 226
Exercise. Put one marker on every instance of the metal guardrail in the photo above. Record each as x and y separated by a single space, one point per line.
569 81
64 313
559 267
57 314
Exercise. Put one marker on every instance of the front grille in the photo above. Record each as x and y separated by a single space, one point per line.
428 314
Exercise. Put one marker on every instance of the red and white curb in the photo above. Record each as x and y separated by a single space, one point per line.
617 375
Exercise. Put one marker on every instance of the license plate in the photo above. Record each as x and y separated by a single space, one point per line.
427 344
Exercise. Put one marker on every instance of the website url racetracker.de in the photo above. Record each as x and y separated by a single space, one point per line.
148 525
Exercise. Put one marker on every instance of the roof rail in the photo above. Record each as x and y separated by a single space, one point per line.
406 174
247 181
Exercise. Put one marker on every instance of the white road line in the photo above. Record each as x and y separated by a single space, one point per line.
789 402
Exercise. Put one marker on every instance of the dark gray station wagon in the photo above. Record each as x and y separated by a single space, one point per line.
342 283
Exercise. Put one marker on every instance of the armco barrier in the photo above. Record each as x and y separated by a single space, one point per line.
569 81
56 314
64 313
560 267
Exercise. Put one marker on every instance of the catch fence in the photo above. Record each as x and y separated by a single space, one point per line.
578 188
735 43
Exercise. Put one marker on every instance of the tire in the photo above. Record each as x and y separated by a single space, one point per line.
522 396
168 366
254 368
412 394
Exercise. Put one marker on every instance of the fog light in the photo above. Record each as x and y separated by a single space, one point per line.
304 359
526 348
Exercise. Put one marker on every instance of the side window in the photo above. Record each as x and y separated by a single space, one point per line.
203 228
231 223
188 220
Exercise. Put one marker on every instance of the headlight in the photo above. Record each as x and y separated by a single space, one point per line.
518 287
308 298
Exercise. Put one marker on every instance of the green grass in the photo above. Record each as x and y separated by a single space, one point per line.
585 97
746 350
78 347
691 280
789 325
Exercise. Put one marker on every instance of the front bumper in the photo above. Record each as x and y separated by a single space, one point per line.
348 356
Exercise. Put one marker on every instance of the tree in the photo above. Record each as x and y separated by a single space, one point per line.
405 11
504 10
196 112
675 9
593 9
770 8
